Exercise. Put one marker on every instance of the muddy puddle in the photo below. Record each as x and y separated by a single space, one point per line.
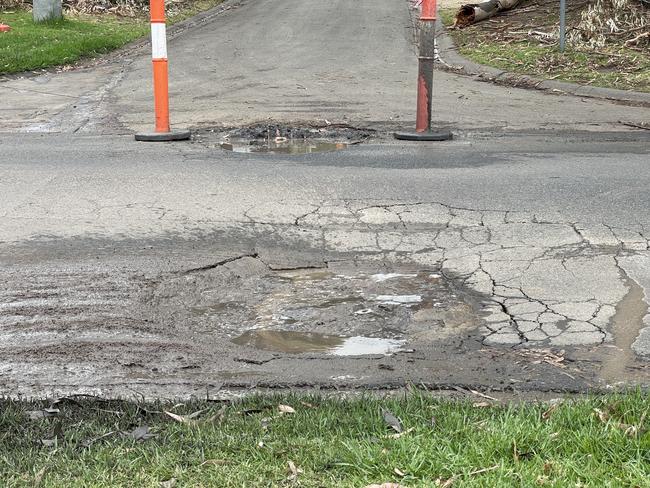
336 310
626 324
302 342
282 145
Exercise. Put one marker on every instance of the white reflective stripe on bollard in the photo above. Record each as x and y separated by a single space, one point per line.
158 41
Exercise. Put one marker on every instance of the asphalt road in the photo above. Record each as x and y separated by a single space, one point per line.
290 60
515 257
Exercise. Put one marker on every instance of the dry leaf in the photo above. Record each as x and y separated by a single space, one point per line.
399 472
442 483
480 404
170 483
215 462
193 415
286 409
483 395
601 415
628 430
265 422
44 413
392 421
293 470
546 415
385 485
400 434
188 420
483 470
90 442
38 478
141 434
177 418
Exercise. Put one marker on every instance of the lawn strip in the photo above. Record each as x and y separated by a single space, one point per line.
320 441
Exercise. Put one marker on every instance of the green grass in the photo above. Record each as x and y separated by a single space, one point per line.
30 46
338 443
611 66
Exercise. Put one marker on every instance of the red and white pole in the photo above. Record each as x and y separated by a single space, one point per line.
426 58
162 131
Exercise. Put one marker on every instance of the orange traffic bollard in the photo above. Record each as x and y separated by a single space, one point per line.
162 132
426 59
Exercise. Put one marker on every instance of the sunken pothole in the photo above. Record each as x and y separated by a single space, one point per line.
280 139
338 311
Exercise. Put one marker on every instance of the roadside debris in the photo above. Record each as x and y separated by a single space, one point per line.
392 421
475 12
140 434
284 409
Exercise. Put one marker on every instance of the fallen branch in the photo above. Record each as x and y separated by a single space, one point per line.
634 41
476 12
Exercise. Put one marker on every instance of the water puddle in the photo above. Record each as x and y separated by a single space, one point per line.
626 324
282 145
339 310
398 299
302 342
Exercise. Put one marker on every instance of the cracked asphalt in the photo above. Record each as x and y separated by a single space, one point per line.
515 257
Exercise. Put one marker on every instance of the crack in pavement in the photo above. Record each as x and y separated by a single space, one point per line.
547 282
540 282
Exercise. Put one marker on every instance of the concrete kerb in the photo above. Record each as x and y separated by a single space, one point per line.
451 60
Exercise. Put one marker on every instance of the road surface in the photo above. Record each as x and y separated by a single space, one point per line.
516 257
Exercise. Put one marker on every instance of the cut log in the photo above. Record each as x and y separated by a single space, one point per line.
472 13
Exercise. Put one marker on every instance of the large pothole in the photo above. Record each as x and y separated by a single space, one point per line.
283 139
341 310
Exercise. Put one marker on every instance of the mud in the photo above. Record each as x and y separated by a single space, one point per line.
621 362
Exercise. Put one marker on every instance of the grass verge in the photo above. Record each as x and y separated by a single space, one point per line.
29 46
601 441
508 42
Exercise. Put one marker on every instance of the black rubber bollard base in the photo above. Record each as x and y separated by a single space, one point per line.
424 136
172 135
